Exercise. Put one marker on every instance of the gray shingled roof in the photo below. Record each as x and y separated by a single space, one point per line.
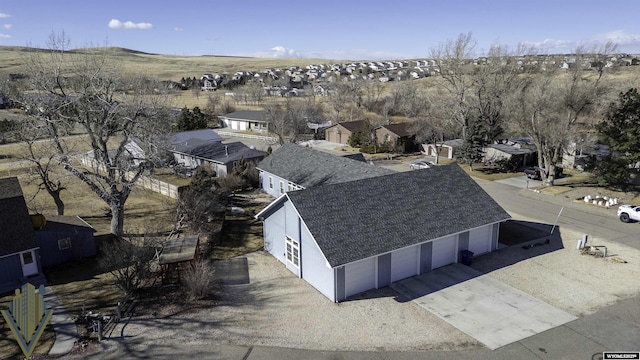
512 150
221 153
359 219
307 167
17 230
247 115
202 134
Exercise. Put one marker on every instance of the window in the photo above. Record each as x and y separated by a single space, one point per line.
270 182
293 252
281 187
27 258
290 187
64 244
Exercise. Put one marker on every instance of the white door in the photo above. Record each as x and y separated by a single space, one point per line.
404 263
444 251
292 248
480 240
29 265
359 276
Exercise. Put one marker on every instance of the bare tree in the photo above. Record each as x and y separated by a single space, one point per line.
551 107
37 150
85 90
289 120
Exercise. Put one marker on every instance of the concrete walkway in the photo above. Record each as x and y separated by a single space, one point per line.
492 312
62 323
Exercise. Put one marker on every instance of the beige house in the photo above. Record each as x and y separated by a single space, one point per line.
339 133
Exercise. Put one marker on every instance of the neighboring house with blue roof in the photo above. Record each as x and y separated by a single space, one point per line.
19 253
349 237
221 157
295 167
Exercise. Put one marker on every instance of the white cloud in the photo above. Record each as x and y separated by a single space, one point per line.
177 29
128 25
550 44
619 37
7 26
4 36
3 15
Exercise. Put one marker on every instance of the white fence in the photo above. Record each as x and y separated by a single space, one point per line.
268 139
145 182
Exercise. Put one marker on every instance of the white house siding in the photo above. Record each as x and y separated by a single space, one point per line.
480 240
264 184
360 276
274 234
313 265
445 251
404 262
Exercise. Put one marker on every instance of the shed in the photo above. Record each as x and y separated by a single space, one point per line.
65 238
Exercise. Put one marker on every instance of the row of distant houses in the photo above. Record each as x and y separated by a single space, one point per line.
397 70
401 137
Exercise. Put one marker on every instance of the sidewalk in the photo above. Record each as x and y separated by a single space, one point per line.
62 324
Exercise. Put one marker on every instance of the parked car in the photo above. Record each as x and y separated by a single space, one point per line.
629 213
421 165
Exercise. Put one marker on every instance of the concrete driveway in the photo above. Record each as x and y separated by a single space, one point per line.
484 308
520 182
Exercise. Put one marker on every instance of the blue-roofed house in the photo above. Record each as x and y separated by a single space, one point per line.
349 237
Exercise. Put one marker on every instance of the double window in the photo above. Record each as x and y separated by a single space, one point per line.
270 182
293 252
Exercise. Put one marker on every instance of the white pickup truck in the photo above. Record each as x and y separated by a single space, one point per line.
628 213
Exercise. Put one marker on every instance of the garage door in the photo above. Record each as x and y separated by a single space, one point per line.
444 251
404 263
480 240
359 276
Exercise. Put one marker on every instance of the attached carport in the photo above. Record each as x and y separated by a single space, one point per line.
492 312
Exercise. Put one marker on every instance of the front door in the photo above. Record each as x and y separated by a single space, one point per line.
29 265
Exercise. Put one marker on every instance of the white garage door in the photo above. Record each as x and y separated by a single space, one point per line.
359 276
233 124
480 240
444 251
404 263
243 125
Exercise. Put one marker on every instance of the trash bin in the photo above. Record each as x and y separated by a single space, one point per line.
466 257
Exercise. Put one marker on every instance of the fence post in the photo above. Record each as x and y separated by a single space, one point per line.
99 330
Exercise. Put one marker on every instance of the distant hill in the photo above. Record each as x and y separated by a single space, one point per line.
163 67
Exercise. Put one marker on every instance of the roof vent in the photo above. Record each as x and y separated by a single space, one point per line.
226 150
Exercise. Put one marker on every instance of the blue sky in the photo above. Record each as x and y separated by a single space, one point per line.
374 29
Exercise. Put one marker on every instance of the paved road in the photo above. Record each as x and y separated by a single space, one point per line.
596 222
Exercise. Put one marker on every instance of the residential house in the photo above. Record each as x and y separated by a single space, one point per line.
19 252
350 237
446 149
136 147
295 167
62 239
248 120
520 151
400 136
221 157
340 133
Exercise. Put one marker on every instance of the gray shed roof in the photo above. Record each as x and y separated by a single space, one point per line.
17 229
307 167
359 219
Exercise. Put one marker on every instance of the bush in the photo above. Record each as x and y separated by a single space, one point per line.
199 279
368 149
128 263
